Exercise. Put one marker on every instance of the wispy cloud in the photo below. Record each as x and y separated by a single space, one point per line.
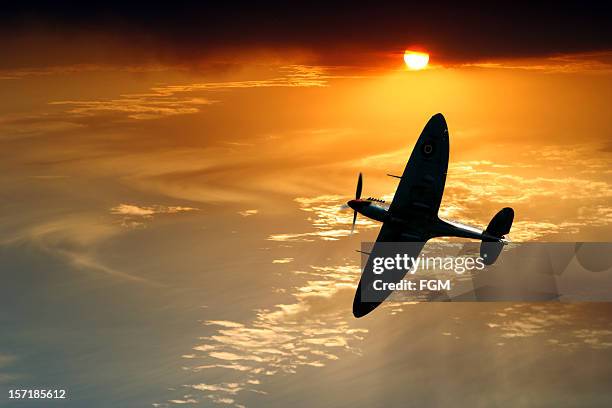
291 76
133 215
557 176
281 340
559 325
598 62
21 73
162 101
329 218
137 107
187 400
16 126
74 238
248 213
148 212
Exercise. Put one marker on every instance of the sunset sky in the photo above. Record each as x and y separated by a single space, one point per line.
172 182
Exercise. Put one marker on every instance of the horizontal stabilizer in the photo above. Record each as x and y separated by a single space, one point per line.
489 251
499 226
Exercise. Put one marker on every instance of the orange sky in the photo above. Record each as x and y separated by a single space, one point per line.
221 189
266 134
173 180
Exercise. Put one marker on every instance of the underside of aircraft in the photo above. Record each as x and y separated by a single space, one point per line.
412 216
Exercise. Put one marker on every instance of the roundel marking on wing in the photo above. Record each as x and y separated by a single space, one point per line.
428 148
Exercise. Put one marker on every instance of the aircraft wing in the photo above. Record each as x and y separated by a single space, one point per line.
365 290
417 198
421 186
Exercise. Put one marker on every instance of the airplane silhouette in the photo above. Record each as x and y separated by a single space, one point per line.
413 213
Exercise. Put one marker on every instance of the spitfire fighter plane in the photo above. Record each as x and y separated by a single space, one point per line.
413 213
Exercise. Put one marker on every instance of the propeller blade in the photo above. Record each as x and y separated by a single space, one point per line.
359 186
354 219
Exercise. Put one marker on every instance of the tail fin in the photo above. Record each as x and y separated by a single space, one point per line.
498 227
502 222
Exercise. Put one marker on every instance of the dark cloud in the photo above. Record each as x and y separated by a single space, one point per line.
336 33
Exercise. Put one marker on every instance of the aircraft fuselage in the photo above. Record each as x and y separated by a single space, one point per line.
418 228
368 209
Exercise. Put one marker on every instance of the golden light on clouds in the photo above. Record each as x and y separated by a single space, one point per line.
415 60
147 186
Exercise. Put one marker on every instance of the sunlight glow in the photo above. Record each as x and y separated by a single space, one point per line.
416 60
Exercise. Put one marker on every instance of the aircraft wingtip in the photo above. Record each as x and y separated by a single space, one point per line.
361 309
436 123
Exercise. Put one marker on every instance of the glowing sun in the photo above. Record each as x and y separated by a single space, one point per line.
416 60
